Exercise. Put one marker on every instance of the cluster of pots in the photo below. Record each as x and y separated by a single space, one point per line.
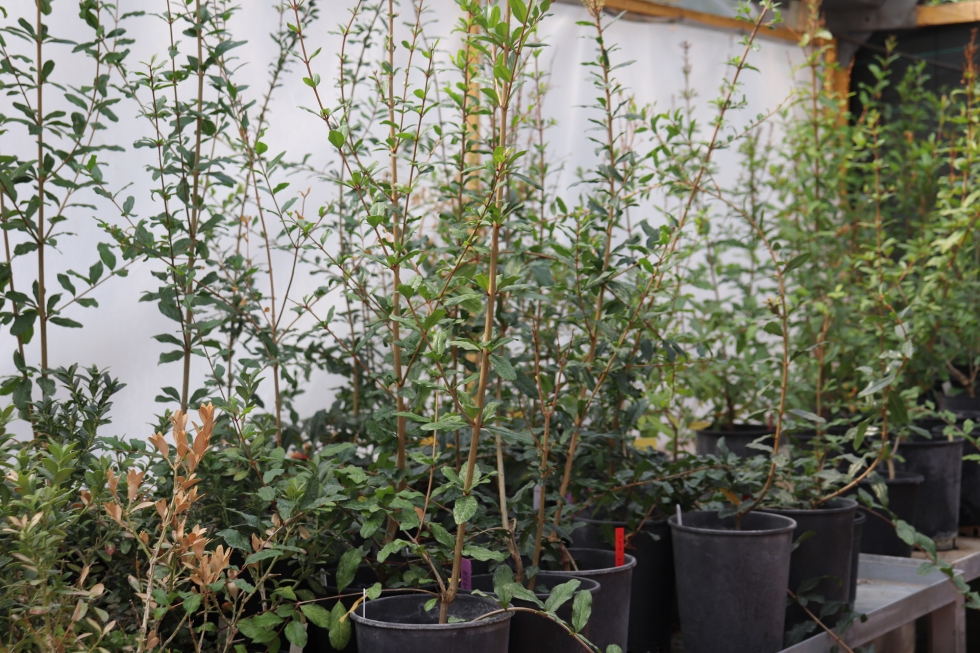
402 623
728 583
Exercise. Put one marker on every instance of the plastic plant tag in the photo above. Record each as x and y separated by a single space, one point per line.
465 574
536 501
620 547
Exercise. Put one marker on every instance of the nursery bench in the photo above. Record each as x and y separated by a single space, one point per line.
892 594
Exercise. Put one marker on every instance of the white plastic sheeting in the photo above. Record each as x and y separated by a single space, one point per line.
119 333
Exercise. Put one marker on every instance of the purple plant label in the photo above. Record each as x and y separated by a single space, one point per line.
465 574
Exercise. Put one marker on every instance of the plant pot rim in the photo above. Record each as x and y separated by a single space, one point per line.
788 527
901 478
490 603
840 504
659 521
588 585
860 516
629 563
920 441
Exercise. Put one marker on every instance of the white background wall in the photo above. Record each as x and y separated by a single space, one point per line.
119 333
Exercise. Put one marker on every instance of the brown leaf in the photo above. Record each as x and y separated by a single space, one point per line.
160 444
115 511
134 480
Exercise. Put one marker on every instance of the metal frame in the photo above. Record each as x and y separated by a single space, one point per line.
891 594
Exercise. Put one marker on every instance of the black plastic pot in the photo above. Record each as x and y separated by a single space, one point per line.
737 439
401 624
940 461
611 613
826 554
879 536
860 519
531 633
652 593
731 584
959 403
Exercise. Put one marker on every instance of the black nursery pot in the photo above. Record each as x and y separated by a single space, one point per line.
532 633
860 519
940 462
731 584
879 536
611 613
401 624
959 403
826 554
737 439
652 593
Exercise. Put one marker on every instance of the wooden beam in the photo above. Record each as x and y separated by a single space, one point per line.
654 10
950 14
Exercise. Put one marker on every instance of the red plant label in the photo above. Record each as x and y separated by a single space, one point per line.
620 547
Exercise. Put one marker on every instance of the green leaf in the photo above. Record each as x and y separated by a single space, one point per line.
896 408
235 539
613 648
503 367
560 594
336 138
317 615
23 323
447 423
265 554
774 328
877 385
347 567
905 531
519 9
296 633
192 601
483 555
107 256
581 610
795 263
267 493
65 322
374 591
391 547
442 535
339 629
170 357
518 591
464 509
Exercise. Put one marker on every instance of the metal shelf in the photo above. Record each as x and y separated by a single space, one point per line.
892 594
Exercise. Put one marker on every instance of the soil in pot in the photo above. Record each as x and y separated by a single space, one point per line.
879 536
652 597
737 439
401 624
532 633
940 462
860 519
826 554
611 613
731 583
